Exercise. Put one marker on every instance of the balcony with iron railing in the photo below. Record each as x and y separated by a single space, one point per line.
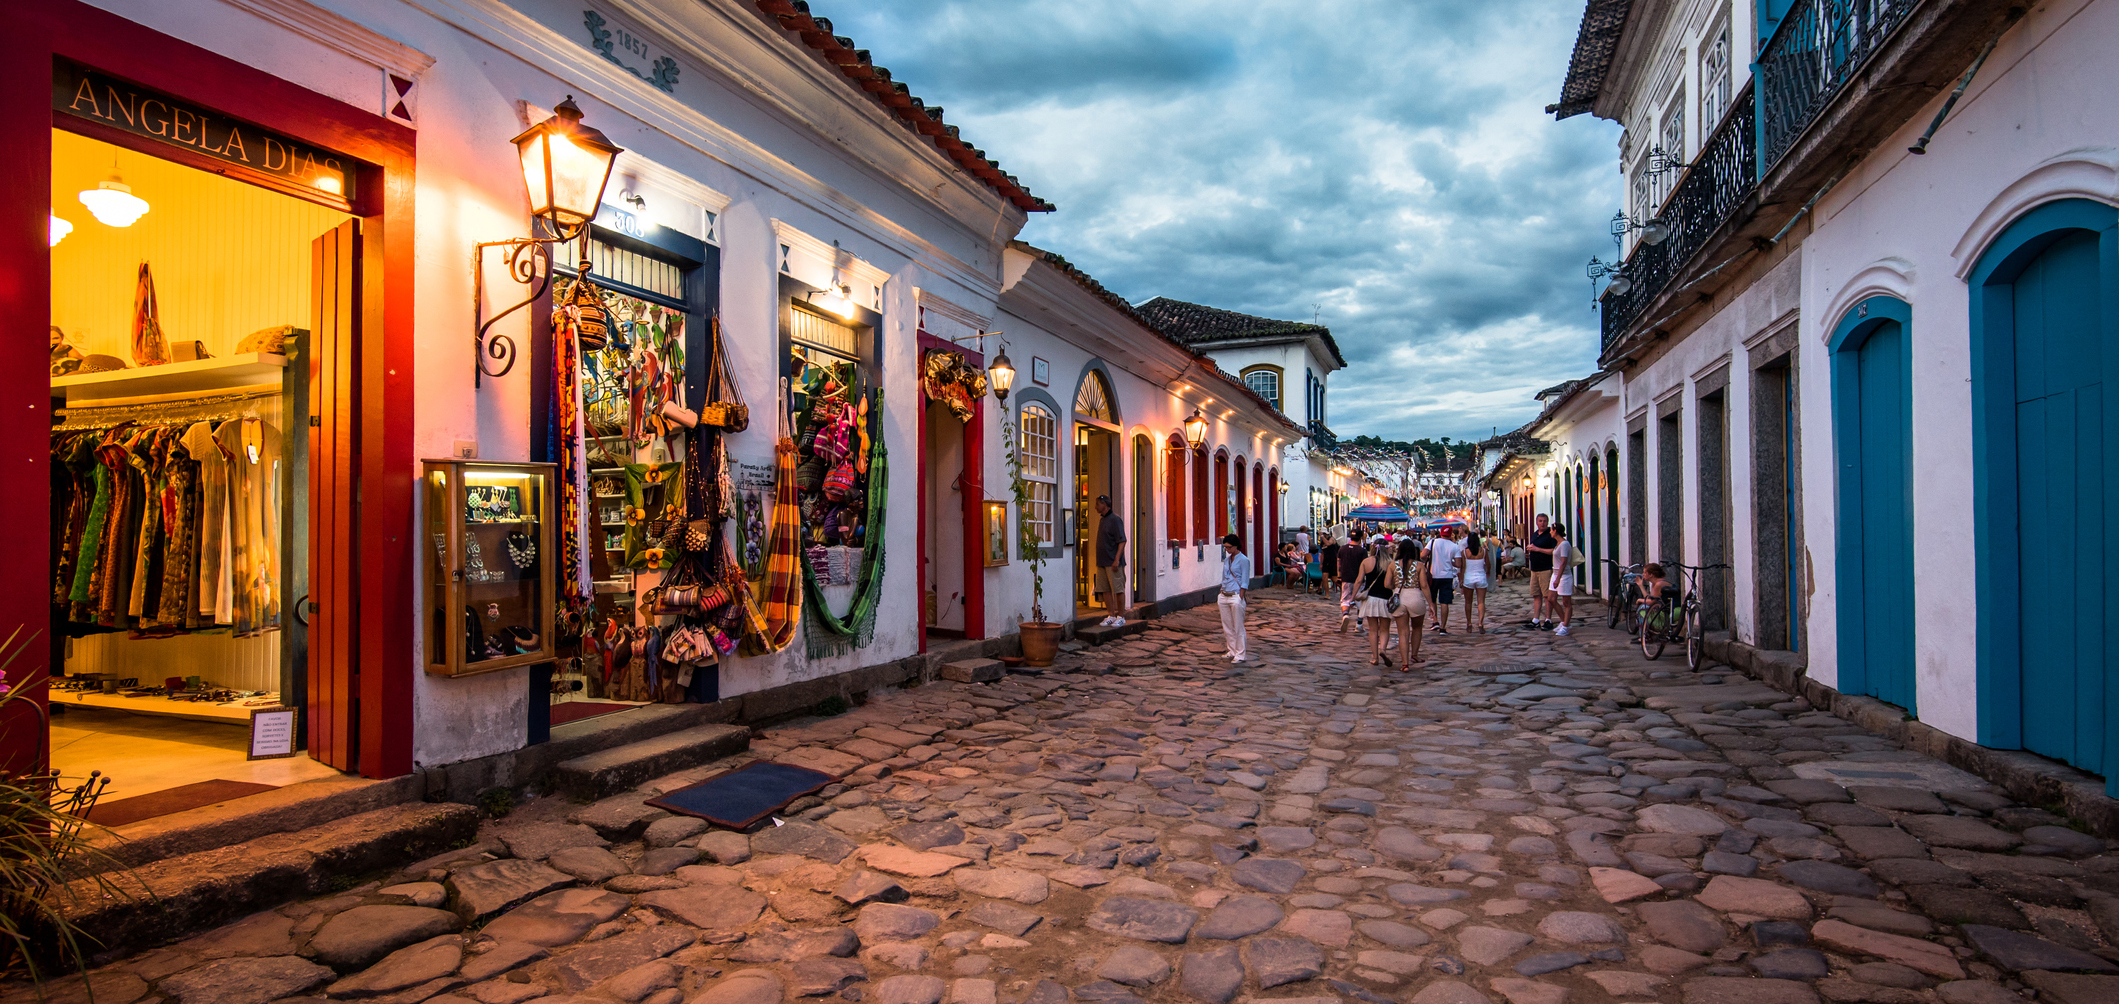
1321 437
1816 50
1707 194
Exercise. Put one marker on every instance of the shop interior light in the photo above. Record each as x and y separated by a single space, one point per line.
59 229
565 166
327 183
1196 428
113 204
1001 375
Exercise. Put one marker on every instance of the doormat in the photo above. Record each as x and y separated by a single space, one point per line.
119 812
574 711
738 799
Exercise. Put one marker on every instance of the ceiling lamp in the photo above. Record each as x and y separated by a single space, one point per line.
59 229
113 204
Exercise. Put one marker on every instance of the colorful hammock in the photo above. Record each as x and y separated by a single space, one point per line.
781 588
831 635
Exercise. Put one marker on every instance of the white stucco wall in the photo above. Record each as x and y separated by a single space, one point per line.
2033 128
750 128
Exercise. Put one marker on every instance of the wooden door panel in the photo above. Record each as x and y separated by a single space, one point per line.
335 311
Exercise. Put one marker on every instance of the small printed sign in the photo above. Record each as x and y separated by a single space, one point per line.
272 732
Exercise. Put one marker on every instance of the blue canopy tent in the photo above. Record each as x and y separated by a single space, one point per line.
1380 514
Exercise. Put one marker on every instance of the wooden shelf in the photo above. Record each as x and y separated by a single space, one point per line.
229 373
166 707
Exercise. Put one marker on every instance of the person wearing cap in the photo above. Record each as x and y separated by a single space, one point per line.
1110 557
1235 588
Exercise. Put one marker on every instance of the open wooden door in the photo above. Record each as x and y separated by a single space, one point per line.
334 449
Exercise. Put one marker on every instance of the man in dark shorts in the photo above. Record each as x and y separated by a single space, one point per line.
1542 606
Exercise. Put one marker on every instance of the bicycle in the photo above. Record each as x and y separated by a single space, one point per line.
1678 617
1625 608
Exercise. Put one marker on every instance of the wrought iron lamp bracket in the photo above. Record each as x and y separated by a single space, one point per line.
529 260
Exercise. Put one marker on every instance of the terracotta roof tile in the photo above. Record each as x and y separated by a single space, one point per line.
1197 324
1603 23
837 51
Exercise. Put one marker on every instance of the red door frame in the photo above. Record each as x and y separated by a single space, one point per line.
1258 517
1273 503
973 480
379 615
1220 501
1239 477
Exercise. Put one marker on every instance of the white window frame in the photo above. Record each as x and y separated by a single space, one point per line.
1038 444
1716 88
1270 373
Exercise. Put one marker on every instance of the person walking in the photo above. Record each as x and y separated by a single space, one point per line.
1110 560
1563 578
1411 584
1442 574
1351 554
1235 587
1328 565
1473 571
1376 598
1540 554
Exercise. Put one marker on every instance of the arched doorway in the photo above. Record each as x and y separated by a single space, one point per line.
1097 455
1260 548
1872 431
1142 529
1611 519
1239 494
1220 499
1593 522
2042 339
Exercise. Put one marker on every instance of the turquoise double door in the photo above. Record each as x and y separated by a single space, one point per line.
2044 331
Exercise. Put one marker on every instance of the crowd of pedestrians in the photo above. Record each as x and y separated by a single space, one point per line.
1394 584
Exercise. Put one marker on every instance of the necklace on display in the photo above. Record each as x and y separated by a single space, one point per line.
522 549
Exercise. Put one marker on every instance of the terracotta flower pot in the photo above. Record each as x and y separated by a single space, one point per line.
1040 642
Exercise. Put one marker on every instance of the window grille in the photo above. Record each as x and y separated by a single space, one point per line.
1094 399
809 328
636 270
1266 384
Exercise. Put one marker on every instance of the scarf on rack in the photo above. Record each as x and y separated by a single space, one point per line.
577 590
832 635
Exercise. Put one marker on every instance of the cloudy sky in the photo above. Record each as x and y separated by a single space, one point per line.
1385 166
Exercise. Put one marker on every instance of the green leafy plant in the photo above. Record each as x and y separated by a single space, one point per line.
497 802
1027 541
42 847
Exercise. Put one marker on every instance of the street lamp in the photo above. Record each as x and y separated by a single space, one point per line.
565 166
1001 375
1196 428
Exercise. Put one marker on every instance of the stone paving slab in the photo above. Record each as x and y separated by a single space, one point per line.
1523 818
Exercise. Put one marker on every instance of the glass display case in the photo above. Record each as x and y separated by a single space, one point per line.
489 585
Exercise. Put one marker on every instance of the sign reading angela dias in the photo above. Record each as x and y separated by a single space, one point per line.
127 107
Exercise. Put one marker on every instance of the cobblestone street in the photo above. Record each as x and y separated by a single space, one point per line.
1524 818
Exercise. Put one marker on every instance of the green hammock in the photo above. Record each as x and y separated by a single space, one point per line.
830 635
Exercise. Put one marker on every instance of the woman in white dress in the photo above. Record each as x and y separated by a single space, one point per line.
1473 565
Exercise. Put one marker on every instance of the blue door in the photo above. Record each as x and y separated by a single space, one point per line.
1885 424
2059 397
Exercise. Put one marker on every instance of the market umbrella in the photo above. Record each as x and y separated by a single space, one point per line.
1379 514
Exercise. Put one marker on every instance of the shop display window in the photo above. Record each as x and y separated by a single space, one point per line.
489 584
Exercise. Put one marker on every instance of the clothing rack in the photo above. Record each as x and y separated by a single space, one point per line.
215 405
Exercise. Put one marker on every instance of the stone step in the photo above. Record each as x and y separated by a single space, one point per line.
1097 634
282 810
176 896
608 772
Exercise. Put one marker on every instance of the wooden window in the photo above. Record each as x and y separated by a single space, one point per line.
1265 382
1040 449
1174 482
1199 495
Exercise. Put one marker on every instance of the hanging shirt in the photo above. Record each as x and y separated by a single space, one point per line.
213 544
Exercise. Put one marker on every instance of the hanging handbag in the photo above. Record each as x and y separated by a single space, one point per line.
594 327
724 407
839 483
698 535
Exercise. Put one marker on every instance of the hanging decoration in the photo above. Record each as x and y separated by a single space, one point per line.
149 348
860 567
576 607
948 378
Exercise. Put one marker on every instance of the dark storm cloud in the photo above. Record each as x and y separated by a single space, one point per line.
1386 166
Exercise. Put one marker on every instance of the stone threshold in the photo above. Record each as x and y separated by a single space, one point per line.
2027 777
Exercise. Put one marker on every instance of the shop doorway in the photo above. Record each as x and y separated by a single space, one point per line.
944 514
184 324
1142 526
1095 476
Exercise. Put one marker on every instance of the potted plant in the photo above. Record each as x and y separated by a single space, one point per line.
1040 637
